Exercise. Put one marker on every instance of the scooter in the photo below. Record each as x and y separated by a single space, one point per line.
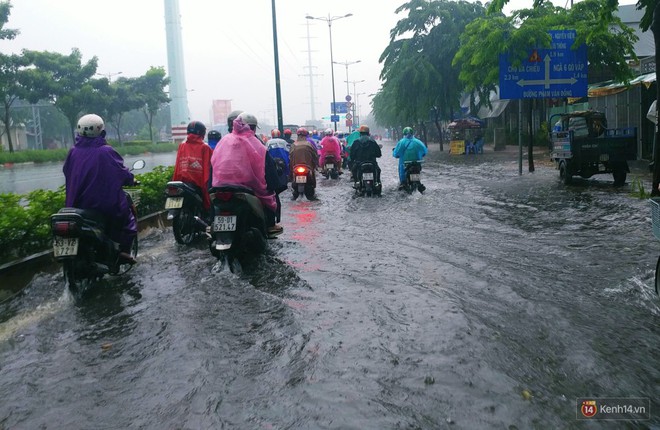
183 204
238 229
81 244
367 183
330 169
413 170
303 182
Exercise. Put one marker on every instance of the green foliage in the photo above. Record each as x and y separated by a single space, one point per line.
25 219
637 189
51 155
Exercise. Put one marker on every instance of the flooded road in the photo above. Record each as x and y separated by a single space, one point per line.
492 301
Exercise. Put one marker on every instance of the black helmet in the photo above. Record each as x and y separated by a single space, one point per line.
214 135
196 127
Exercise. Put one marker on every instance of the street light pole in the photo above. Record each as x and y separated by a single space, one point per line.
355 94
329 20
347 63
278 91
109 75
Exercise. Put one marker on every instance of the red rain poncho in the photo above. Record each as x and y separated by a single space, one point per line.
193 165
330 146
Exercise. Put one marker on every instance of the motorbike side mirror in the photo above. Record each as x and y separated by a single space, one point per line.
139 164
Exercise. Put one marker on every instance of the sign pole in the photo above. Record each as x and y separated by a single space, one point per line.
520 155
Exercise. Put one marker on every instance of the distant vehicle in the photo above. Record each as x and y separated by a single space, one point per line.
582 145
292 127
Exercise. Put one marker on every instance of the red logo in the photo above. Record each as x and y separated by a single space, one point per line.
589 408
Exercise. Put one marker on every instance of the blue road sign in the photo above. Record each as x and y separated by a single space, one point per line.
556 72
341 107
334 118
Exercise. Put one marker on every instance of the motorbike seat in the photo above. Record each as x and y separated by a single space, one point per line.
86 214
232 188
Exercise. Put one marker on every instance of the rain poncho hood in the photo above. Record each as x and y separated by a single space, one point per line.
240 159
94 174
278 148
330 146
408 149
193 165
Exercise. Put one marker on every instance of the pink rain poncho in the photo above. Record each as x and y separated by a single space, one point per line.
330 146
240 159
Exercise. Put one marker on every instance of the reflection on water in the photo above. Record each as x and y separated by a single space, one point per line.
491 301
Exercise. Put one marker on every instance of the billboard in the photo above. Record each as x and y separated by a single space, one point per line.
220 110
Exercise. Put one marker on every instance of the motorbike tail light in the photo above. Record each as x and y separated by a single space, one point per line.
224 196
64 228
301 169
173 191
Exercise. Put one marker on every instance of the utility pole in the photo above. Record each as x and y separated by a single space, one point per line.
310 74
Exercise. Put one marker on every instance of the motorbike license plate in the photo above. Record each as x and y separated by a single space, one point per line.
414 177
174 203
224 223
329 166
368 176
65 246
604 157
301 179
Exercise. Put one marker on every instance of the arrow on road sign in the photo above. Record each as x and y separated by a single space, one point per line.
547 81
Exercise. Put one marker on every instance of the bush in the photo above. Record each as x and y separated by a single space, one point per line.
50 155
25 219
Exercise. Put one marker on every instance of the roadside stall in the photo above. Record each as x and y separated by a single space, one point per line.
466 136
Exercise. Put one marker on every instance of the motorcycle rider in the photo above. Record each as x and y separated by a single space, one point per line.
213 138
364 149
94 175
287 137
303 152
330 146
277 148
409 148
241 159
193 162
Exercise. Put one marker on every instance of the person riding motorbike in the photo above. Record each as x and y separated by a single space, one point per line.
193 162
409 148
230 119
213 137
277 148
241 159
330 146
303 152
287 137
94 176
364 149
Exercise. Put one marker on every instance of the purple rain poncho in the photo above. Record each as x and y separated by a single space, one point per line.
95 174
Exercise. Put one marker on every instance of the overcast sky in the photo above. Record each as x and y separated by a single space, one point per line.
228 46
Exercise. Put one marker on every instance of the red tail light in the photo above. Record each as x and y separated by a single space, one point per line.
301 169
224 196
174 191
64 228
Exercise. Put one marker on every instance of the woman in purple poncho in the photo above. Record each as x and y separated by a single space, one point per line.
95 174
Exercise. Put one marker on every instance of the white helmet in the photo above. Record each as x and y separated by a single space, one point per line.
90 125
248 118
329 132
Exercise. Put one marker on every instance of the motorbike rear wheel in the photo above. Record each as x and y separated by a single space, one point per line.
73 280
184 226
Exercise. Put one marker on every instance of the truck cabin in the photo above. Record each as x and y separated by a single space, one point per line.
582 123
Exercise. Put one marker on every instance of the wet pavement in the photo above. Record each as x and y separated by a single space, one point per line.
493 300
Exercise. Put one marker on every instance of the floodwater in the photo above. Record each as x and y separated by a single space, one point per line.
491 301
23 178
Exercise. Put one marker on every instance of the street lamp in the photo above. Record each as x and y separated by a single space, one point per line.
329 20
109 75
347 63
356 100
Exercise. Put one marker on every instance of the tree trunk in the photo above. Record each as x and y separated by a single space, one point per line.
655 28
8 129
436 121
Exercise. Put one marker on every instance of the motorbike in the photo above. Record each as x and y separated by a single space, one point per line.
81 244
183 204
329 168
413 170
366 180
303 182
238 229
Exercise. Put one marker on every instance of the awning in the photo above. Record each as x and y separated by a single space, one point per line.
610 87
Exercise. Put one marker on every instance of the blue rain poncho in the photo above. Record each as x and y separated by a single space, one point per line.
408 149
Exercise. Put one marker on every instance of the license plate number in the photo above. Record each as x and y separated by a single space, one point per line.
329 166
174 203
368 176
414 177
301 179
604 157
224 223
65 246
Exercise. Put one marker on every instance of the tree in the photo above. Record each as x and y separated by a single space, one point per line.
10 68
151 87
608 39
122 97
417 71
66 82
